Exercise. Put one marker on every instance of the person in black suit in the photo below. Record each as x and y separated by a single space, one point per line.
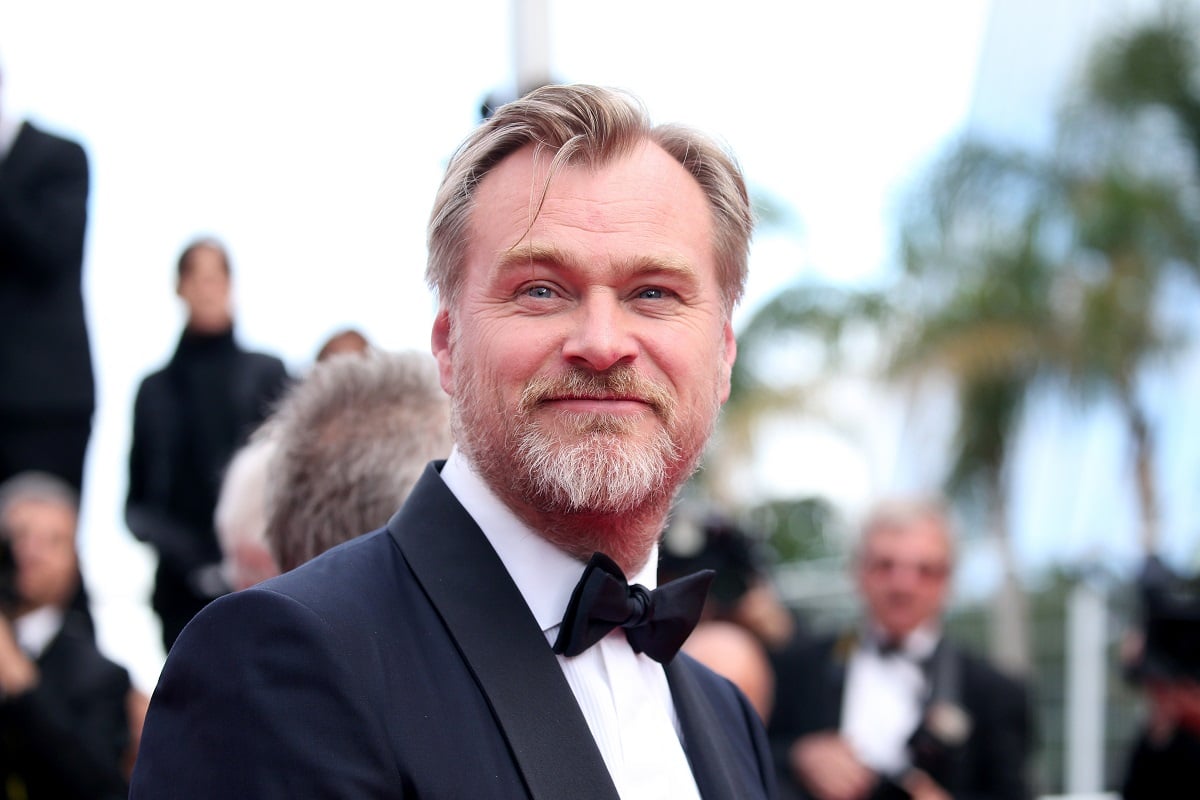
188 419
47 392
485 642
64 729
1164 760
894 709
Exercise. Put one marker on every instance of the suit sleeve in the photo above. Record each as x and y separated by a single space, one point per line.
258 699
85 733
762 748
1004 738
807 701
43 208
177 545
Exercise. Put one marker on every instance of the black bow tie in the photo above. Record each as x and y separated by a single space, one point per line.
656 622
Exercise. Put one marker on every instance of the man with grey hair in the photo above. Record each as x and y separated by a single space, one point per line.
350 440
892 709
64 731
336 459
486 642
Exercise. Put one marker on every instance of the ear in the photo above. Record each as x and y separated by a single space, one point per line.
727 358
440 342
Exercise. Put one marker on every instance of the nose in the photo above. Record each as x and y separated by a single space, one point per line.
601 334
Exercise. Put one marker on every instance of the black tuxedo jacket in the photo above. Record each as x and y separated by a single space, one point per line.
989 764
66 737
404 663
45 357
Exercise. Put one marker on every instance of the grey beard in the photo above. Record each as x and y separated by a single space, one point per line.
603 472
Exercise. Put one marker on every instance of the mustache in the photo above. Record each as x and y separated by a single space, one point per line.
623 382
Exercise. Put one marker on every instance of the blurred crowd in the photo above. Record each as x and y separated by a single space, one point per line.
236 470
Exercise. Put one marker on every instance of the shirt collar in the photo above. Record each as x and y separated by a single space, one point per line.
545 575
36 629
10 126
917 645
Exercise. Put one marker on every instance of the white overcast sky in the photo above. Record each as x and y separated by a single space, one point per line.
311 137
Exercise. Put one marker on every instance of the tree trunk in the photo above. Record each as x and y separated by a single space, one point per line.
1145 479
1009 630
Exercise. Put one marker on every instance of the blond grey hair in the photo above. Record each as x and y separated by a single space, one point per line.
905 513
594 126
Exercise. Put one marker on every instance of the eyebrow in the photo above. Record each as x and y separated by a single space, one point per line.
529 253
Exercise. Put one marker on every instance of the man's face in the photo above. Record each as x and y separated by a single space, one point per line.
205 290
903 575
42 536
589 352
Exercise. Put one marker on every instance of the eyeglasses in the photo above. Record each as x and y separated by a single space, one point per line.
930 571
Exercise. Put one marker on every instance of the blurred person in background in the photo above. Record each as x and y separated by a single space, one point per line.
350 441
1164 763
65 729
742 591
731 651
47 389
241 514
892 709
346 340
335 460
188 419
747 634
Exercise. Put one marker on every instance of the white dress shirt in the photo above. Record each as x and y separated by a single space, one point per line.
624 695
36 629
883 700
10 126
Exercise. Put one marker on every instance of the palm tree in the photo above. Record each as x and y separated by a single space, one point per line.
1132 234
1020 270
1137 224
982 276
1156 64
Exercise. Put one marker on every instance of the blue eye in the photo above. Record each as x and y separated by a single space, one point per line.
539 291
652 294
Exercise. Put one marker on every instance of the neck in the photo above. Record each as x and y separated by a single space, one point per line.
627 538
208 329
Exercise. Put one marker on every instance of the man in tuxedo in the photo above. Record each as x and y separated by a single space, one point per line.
47 392
486 642
64 730
893 709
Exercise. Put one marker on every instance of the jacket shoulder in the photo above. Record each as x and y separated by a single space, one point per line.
50 145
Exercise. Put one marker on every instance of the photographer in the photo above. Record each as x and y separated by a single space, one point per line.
63 722
892 709
1165 761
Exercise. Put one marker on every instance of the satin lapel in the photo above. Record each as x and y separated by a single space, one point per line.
501 643
716 777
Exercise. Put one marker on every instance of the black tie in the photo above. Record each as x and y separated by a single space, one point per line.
656 622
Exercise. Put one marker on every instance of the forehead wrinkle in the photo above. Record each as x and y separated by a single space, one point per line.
526 254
